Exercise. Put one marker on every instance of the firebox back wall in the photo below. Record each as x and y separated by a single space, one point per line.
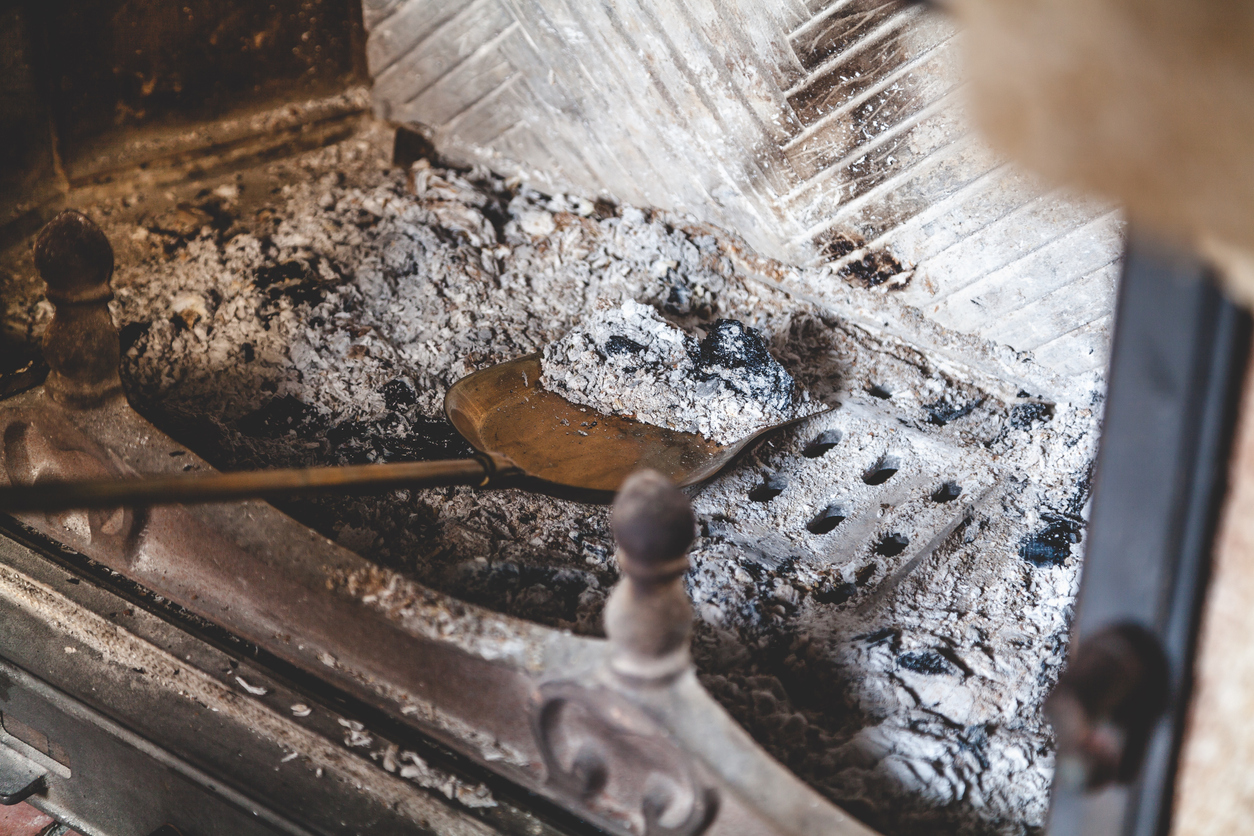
821 131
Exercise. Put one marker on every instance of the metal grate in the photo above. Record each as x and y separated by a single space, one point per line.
882 590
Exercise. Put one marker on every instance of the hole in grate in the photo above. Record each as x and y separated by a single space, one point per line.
892 544
880 392
866 573
884 470
947 492
837 594
823 442
771 487
827 519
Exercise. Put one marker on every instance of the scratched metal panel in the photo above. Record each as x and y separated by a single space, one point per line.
823 132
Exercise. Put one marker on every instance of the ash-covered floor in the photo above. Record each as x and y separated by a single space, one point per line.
882 591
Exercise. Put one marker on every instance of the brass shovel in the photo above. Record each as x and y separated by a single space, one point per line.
526 437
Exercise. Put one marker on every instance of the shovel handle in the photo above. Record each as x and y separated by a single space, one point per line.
180 488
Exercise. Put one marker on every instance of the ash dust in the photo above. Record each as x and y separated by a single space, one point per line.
874 601
628 360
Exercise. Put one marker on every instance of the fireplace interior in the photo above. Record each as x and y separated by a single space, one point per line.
882 592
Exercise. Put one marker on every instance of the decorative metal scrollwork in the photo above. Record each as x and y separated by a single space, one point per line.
39 446
606 756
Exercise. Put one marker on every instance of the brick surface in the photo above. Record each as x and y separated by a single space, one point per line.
22 820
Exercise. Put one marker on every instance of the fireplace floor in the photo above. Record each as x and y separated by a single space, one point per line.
882 591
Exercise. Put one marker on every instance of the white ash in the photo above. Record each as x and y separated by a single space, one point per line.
322 322
255 690
413 767
629 361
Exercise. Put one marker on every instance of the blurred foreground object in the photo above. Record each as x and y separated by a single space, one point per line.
1177 369
1150 103
1112 692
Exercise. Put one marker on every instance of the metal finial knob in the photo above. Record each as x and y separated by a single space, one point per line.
81 347
654 526
648 617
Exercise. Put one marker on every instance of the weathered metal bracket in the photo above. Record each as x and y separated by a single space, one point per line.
602 749
618 732
20 778
600 745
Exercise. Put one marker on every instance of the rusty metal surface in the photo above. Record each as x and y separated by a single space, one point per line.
251 484
469 678
618 732
141 720
504 409
266 578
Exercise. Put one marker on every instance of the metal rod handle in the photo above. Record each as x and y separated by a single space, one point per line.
255 484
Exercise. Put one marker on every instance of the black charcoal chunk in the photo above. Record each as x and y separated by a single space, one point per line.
618 344
1051 546
943 411
1024 415
397 394
925 662
679 298
738 355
